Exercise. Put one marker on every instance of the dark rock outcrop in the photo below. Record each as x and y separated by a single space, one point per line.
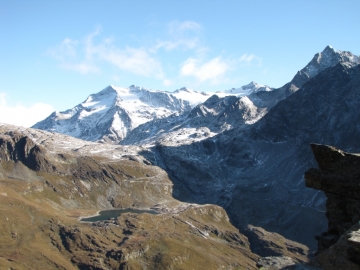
268 244
16 147
339 177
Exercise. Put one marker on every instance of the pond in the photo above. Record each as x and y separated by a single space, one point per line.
114 213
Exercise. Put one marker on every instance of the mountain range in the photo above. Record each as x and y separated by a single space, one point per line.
111 114
136 115
244 149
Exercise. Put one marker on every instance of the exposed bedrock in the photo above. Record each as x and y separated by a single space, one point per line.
16 147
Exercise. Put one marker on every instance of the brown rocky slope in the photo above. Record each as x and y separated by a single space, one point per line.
48 180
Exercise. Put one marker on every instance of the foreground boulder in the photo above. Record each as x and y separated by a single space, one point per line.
339 177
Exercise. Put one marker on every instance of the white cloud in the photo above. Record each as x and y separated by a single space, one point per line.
212 70
86 56
66 49
169 45
250 59
23 116
137 61
115 78
83 68
167 82
67 53
176 28
93 54
181 35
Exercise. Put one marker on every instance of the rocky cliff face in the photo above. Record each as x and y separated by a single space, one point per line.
339 177
15 147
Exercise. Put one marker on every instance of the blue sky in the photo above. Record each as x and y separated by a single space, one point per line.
53 54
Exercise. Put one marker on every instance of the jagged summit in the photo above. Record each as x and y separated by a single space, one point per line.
329 50
254 86
247 89
107 95
108 89
329 57
185 90
182 89
251 84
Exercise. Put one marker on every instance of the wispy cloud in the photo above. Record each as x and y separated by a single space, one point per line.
137 61
67 53
184 35
250 59
167 82
176 27
93 54
86 56
21 115
212 70
83 68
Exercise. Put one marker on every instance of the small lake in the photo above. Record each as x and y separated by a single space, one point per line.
114 213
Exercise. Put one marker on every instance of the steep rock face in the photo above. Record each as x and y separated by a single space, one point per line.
15 147
339 177
256 173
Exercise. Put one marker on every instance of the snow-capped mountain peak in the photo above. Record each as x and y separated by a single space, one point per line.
106 97
114 111
329 57
183 89
245 90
